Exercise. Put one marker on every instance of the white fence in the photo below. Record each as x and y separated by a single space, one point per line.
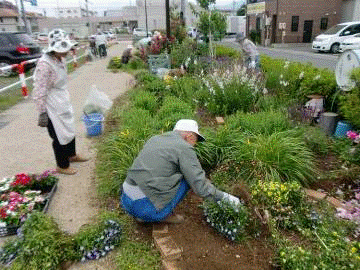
21 80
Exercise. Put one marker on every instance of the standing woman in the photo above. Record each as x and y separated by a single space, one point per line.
53 100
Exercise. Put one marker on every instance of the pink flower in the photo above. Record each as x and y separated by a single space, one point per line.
352 134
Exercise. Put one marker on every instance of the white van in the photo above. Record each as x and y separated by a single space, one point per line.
330 40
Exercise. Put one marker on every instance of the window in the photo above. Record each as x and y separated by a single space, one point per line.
323 23
294 23
1 20
258 24
60 11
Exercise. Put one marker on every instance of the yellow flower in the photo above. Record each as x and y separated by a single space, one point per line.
125 133
353 250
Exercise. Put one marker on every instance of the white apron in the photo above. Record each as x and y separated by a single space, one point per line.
58 104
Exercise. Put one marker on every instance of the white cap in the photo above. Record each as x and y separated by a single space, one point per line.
60 42
189 125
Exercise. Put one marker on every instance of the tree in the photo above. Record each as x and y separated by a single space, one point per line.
241 11
215 21
205 3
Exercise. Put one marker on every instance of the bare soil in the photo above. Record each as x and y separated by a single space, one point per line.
204 248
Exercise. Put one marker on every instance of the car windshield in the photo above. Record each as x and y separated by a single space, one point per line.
357 35
24 38
333 30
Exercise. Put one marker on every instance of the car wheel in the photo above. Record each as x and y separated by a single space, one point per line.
335 48
7 73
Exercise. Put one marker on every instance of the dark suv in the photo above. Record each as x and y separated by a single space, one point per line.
17 47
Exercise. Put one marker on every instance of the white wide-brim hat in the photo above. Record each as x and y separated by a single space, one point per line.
189 125
60 42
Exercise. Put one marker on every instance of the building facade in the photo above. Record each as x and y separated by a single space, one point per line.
350 11
291 21
73 12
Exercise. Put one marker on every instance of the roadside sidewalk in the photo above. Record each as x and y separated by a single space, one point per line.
25 147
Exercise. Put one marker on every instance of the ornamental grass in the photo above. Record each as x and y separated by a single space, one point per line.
282 156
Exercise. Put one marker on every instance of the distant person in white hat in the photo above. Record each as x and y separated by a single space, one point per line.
52 99
251 54
163 172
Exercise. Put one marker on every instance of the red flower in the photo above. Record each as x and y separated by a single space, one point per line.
21 179
3 213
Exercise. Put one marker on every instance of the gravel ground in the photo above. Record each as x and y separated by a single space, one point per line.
25 147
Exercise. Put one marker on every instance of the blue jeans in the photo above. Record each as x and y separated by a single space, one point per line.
144 209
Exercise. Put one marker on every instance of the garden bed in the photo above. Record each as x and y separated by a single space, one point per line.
204 248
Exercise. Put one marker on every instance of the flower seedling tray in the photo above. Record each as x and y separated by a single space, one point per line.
12 229
23 194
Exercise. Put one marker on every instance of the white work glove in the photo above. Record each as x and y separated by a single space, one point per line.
252 64
232 199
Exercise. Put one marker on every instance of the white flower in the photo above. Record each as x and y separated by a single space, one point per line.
3 224
317 77
301 75
281 76
39 199
265 91
195 62
286 64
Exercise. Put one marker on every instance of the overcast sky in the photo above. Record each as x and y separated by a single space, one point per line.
98 5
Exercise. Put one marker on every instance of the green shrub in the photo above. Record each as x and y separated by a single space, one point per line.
281 156
298 80
145 100
224 96
217 148
158 87
271 103
185 88
144 77
350 106
316 140
259 123
136 63
346 151
115 63
44 246
117 153
138 256
355 76
221 51
172 110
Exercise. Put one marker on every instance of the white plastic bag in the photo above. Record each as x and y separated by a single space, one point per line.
97 102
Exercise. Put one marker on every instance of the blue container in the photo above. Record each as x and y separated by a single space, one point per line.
93 123
341 129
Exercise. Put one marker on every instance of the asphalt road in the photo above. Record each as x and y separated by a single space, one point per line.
295 52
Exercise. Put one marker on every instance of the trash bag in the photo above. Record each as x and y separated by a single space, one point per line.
96 102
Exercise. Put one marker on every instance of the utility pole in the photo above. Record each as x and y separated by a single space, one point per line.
182 12
167 14
87 17
146 20
23 16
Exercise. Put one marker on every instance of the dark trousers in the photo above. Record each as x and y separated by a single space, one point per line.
62 152
102 50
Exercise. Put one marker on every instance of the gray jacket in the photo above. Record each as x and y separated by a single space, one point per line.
160 166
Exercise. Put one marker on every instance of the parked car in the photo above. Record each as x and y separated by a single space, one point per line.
139 32
331 39
109 35
43 37
15 48
351 43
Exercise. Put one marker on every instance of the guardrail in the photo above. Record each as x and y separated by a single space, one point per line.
20 68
